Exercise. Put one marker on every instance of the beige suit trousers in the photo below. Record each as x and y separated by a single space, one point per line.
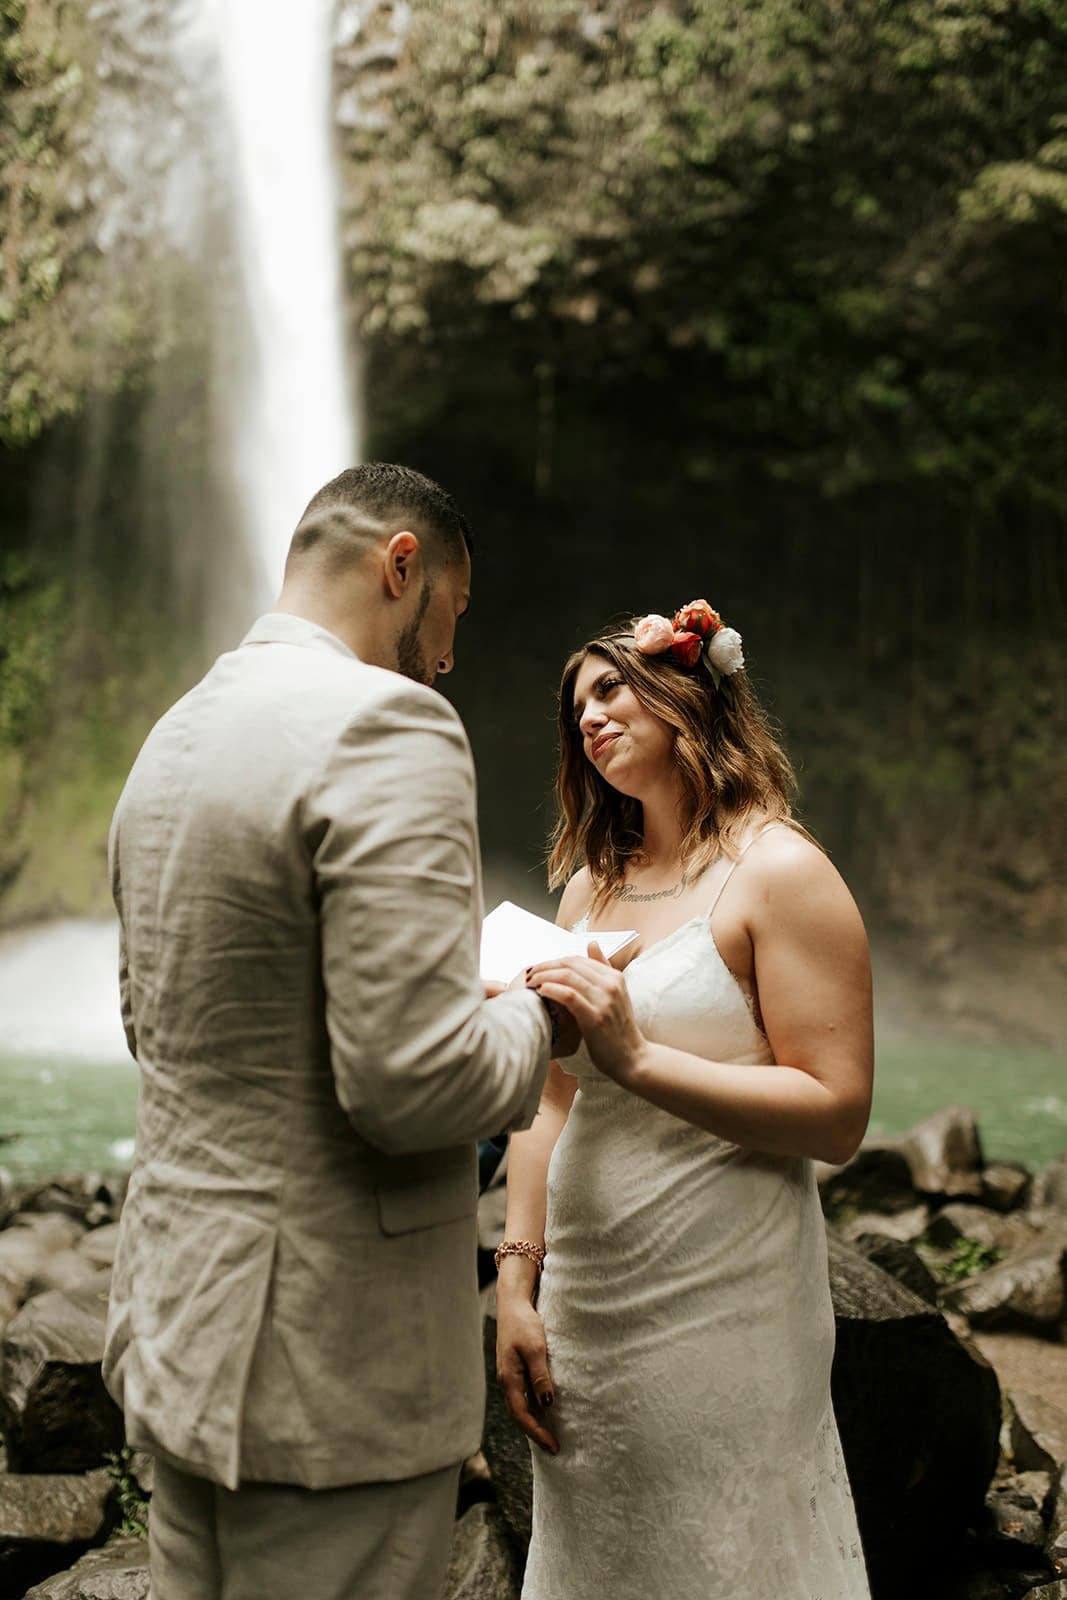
271 1541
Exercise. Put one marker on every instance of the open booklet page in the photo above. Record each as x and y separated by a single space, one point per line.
513 939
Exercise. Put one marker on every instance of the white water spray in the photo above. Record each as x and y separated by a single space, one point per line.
293 414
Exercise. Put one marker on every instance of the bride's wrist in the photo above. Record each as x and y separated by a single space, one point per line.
516 1276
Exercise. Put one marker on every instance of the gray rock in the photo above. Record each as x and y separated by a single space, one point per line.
92 1198
1019 1527
1027 1291
1030 1490
1056 1541
98 1245
66 1269
1038 1433
944 1153
46 1521
1049 1190
117 1572
1005 1185
1057 1590
907 1226
958 1220
25 1247
483 1563
55 1413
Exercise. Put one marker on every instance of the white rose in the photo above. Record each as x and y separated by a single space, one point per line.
724 652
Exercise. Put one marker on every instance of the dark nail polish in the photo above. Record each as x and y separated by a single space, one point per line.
547 1399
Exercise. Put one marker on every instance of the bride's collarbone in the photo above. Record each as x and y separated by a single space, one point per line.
655 924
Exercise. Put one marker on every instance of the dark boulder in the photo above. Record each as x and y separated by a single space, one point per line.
919 1415
55 1413
93 1198
876 1179
901 1262
47 1521
117 1572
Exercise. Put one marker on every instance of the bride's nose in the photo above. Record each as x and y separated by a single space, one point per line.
590 720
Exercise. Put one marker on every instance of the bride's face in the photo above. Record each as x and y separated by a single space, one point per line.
630 748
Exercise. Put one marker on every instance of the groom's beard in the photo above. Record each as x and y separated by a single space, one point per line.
410 655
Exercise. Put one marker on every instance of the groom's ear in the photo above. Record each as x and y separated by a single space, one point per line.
402 563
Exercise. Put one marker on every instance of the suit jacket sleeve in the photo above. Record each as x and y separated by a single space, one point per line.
125 1001
421 1060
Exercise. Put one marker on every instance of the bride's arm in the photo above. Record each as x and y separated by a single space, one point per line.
521 1354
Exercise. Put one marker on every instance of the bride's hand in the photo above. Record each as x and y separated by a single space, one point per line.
522 1363
596 995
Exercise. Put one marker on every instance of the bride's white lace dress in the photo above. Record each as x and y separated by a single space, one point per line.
690 1334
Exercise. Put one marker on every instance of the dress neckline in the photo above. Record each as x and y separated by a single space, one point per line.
702 919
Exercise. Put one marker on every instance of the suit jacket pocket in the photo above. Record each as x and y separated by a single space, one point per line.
427 1190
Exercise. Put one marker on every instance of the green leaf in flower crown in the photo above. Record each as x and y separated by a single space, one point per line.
716 675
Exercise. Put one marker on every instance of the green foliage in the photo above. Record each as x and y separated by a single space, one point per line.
32 632
966 1258
842 228
132 1500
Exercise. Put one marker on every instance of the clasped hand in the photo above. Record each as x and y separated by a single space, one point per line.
596 996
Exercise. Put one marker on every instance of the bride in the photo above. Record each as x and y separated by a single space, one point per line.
672 1359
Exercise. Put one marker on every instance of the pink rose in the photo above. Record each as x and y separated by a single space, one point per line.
653 634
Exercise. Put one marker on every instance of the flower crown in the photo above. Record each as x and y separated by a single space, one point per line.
696 633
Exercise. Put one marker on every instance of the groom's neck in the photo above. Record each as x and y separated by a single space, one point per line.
344 612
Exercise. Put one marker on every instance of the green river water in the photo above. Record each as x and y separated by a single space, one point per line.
59 1114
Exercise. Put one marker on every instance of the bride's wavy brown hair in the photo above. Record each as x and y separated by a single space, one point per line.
729 758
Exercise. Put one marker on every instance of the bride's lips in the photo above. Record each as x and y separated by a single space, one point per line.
601 744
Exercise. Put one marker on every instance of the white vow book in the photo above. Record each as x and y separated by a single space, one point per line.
513 939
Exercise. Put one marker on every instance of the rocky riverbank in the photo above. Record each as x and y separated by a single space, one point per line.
949 1282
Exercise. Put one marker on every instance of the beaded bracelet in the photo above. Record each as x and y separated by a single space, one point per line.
520 1247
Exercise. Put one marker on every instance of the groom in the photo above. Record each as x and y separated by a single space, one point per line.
294 1329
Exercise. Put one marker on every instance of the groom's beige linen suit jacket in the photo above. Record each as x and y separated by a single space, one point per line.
295 865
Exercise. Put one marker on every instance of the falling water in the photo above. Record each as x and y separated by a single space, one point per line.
293 416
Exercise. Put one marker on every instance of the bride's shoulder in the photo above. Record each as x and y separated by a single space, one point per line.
576 899
787 864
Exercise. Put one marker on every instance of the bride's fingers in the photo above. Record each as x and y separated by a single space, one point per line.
514 1384
571 1000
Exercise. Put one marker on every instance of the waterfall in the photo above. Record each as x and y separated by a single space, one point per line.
292 422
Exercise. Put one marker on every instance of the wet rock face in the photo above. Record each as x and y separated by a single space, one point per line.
46 1521
55 1414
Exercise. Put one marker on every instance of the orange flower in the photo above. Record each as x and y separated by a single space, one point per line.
686 648
697 617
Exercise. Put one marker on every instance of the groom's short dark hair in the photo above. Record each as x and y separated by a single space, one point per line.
381 495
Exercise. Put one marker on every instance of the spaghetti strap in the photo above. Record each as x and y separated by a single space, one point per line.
735 864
